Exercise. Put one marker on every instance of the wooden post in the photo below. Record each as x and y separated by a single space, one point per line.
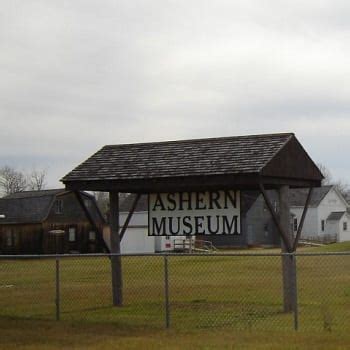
288 261
116 262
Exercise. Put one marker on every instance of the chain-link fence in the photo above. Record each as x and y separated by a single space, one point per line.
244 291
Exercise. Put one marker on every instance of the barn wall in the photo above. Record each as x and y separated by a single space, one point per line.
260 229
63 245
25 239
72 216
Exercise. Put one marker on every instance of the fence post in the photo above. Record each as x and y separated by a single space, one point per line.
57 289
166 292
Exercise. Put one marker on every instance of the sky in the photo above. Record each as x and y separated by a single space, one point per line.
77 75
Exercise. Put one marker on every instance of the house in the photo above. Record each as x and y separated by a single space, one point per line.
49 221
327 217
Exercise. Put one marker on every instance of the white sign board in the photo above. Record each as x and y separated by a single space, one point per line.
194 213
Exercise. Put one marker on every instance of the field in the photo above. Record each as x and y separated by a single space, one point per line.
215 302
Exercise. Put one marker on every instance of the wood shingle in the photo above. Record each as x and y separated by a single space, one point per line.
192 159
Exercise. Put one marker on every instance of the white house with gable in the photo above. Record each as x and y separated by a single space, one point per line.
327 216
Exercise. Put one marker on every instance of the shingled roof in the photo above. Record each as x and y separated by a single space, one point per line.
34 206
27 206
298 196
336 215
269 155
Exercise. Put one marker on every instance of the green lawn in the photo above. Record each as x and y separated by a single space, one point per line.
37 335
219 300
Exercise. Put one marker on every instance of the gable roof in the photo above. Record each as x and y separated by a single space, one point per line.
34 206
159 162
35 194
298 196
336 215
230 155
27 206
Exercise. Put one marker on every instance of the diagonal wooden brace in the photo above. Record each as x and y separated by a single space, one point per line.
126 224
275 219
91 220
301 224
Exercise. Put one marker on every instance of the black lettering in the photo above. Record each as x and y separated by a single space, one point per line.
232 199
171 230
214 198
172 201
199 225
199 201
229 226
183 200
188 225
211 231
158 229
158 203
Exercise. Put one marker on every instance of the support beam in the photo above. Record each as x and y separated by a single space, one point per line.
281 230
301 224
91 220
131 212
288 261
116 262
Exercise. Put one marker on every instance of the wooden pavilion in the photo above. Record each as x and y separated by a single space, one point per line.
257 162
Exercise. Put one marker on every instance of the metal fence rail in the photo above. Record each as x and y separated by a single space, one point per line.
242 290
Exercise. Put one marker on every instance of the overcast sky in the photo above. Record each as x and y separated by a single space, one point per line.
76 75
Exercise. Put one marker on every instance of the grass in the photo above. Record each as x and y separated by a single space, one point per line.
334 247
36 334
215 302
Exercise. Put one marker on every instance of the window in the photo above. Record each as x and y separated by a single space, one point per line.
322 225
72 235
11 238
92 235
59 206
295 224
345 226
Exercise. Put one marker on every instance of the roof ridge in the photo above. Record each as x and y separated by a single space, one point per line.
36 193
201 139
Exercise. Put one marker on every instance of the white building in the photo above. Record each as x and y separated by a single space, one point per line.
327 216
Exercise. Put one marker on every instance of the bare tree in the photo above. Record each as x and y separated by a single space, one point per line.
328 178
12 181
341 185
37 180
102 200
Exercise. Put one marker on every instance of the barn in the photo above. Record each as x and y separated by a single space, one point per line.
49 221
